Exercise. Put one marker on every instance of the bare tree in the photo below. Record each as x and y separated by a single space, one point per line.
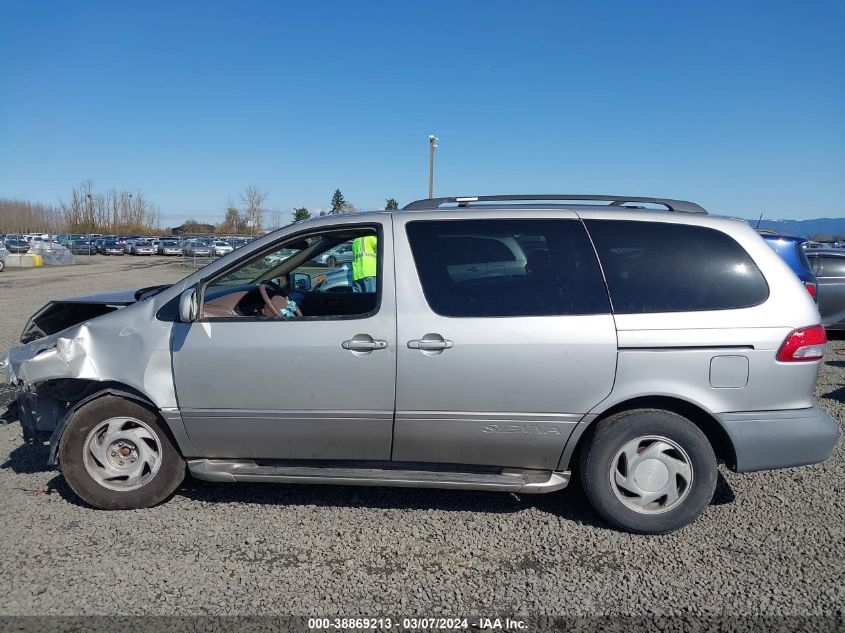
21 216
232 222
276 218
253 200
114 211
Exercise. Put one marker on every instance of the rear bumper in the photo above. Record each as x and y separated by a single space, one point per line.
765 440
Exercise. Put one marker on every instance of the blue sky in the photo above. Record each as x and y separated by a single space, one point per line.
739 106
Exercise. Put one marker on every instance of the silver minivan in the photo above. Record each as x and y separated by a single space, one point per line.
505 343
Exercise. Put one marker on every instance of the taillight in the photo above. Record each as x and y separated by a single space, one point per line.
811 288
806 344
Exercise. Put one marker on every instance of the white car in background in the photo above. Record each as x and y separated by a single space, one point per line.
220 248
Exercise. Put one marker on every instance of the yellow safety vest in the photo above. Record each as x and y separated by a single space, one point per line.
364 257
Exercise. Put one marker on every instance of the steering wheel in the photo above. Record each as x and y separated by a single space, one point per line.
265 296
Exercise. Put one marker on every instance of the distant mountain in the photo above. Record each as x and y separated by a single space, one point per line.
805 228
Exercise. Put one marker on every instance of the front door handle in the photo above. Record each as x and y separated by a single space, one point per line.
363 343
432 343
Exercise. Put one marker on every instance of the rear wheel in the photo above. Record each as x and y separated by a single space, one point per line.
649 471
116 455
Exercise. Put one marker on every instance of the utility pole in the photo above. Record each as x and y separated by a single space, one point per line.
432 145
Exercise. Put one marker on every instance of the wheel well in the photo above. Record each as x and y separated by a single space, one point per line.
713 431
75 392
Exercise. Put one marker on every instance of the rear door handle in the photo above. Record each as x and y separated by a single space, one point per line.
430 343
419 343
363 343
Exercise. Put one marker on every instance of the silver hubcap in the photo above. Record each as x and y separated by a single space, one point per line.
122 454
651 474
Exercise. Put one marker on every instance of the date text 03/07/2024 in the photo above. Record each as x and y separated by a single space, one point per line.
417 623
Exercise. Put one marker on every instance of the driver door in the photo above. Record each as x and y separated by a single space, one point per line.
312 387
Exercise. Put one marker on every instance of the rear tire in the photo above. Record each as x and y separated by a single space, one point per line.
116 455
648 471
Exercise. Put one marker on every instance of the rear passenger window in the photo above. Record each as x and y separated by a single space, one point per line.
833 266
497 268
662 267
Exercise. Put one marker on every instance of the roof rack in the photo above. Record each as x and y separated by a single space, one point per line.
614 201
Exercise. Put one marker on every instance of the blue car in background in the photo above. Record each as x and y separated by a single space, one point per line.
790 248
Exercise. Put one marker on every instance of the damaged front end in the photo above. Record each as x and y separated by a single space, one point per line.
38 416
123 351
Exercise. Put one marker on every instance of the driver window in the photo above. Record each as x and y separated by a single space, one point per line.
334 274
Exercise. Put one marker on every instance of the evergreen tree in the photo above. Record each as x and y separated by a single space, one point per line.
301 213
391 204
338 202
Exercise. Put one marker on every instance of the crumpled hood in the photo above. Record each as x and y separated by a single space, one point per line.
57 316
123 297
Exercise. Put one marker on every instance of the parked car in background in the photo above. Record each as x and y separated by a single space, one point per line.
16 244
828 265
112 247
220 248
142 247
237 242
197 247
69 239
341 254
169 247
3 253
791 249
100 242
81 247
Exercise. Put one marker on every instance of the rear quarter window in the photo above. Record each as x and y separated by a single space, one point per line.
662 267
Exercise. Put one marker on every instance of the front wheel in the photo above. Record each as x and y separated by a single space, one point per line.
649 471
116 455
331 262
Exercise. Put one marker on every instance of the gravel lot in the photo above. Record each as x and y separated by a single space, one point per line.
770 543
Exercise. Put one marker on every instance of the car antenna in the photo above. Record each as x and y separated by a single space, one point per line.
758 221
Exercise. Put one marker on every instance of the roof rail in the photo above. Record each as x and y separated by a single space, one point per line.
614 201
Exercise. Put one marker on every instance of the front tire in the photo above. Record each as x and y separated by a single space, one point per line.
649 471
331 262
116 455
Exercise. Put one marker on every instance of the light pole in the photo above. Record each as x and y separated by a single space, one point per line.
432 145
